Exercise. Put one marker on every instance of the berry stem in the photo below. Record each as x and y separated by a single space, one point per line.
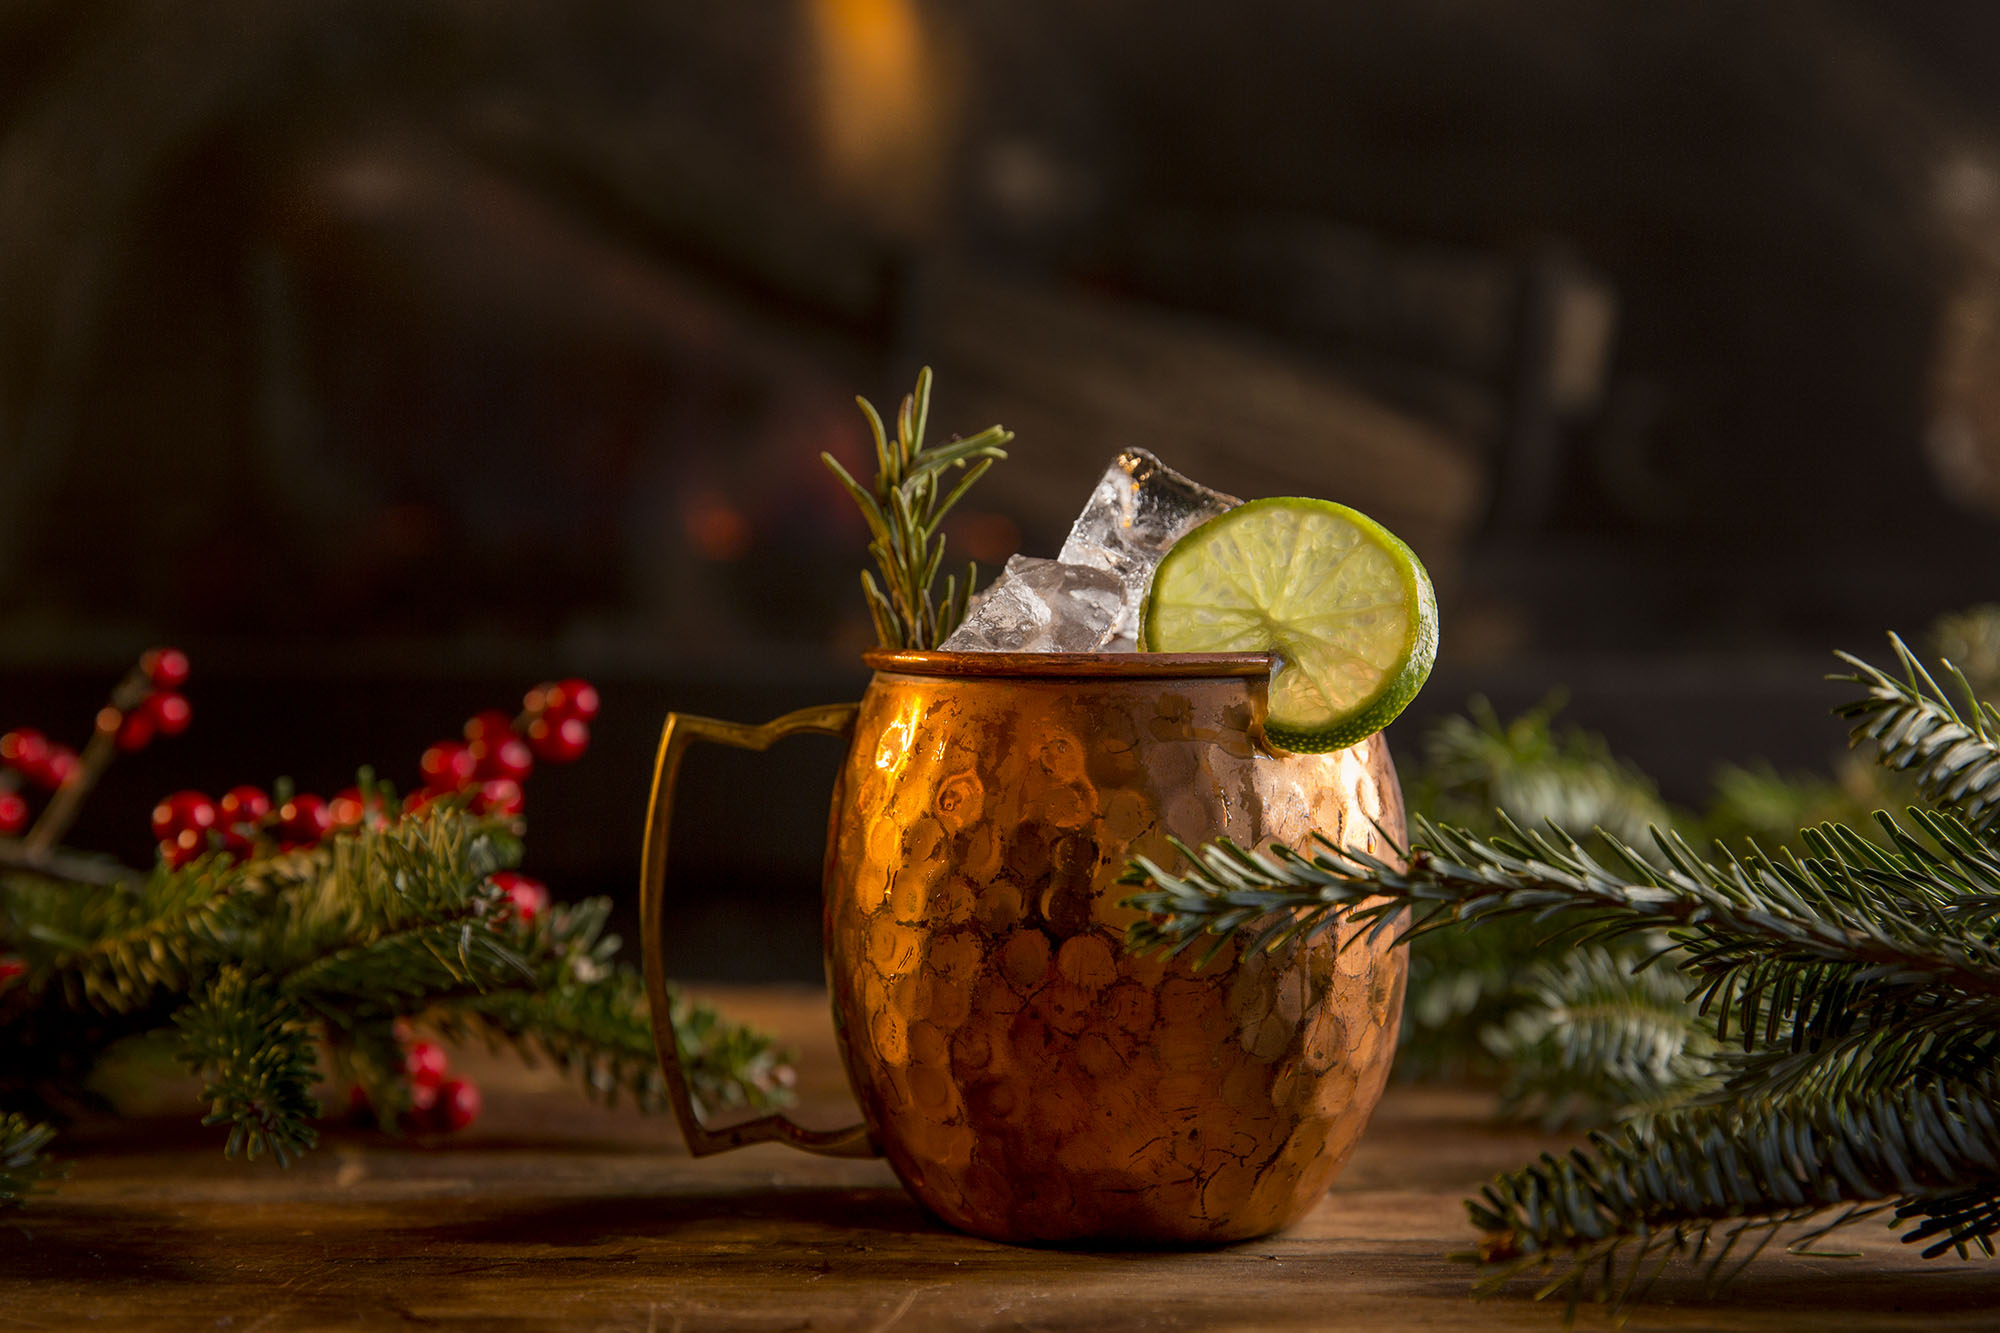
98 752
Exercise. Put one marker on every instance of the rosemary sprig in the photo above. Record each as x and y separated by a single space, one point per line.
905 511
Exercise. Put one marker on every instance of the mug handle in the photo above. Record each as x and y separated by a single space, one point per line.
681 731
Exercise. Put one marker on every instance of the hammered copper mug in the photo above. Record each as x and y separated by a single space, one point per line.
1026 1078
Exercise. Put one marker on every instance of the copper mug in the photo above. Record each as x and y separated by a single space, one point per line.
1025 1076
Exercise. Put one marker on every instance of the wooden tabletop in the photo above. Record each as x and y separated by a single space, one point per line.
552 1213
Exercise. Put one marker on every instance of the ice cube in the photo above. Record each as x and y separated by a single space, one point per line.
1140 508
1044 606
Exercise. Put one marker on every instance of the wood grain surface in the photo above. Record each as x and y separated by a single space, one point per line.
552 1213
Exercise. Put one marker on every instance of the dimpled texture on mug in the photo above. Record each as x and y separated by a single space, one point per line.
1025 1076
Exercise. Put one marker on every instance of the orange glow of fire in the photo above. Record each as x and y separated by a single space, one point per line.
884 122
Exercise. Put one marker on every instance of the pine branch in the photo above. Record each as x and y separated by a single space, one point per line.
387 975
256 1050
117 950
1952 754
259 956
1792 956
589 1015
603 1035
1952 1038
1856 975
370 884
1468 987
23 1164
1672 1186
1602 1041
1886 915
713 1049
905 511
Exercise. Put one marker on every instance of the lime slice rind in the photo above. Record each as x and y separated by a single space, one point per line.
1343 603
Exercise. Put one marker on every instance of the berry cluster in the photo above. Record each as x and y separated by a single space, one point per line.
161 711
146 704
438 1104
498 752
36 758
483 774
485 771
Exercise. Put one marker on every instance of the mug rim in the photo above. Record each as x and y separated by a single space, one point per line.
1114 666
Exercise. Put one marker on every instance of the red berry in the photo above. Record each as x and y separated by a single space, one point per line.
458 1104
559 740
303 821
424 1062
526 898
507 757
244 805
441 1107
58 768
241 812
184 811
448 766
345 810
489 725
182 848
167 668
350 809
418 799
423 1100
170 712
564 698
13 812
24 750
498 796
12 968
135 729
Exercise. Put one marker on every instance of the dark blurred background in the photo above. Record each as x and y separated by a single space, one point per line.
393 355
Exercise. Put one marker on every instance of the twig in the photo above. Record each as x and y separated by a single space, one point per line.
102 748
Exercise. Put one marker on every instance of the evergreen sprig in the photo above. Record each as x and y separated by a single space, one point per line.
256 1050
1597 1041
1855 980
279 970
1930 1153
1952 751
602 1032
1854 905
1472 992
24 1165
905 510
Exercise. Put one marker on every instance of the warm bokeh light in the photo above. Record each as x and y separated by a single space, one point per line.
883 116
